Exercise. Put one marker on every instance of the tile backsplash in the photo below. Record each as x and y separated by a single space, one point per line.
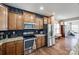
15 33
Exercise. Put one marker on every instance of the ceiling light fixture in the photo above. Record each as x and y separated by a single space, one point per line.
41 8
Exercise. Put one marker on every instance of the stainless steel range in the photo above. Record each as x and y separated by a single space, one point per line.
29 42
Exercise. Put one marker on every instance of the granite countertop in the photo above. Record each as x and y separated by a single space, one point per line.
10 39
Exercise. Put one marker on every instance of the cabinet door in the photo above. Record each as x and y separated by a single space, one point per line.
43 41
49 20
45 20
28 17
4 49
19 21
0 49
12 21
19 47
10 48
41 23
37 21
3 17
38 42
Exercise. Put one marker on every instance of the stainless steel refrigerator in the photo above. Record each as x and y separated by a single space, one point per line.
50 38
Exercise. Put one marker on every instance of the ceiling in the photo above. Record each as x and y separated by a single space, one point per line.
59 10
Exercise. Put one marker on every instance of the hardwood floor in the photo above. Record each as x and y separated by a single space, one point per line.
57 49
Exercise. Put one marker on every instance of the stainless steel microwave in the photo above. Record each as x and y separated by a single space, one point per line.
29 25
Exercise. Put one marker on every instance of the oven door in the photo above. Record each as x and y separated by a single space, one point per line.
28 45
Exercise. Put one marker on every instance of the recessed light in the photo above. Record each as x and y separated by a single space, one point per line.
41 8
53 13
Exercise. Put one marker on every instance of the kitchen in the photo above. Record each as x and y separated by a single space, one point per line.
23 32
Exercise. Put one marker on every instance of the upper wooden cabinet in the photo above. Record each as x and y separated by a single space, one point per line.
39 23
28 17
19 21
12 21
15 21
3 17
49 20
45 20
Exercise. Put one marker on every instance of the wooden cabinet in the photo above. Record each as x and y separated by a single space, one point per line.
19 21
19 47
39 23
4 49
45 20
10 48
43 41
0 49
49 20
28 17
40 42
3 17
12 21
15 21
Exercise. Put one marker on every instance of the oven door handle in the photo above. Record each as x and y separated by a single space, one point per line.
29 39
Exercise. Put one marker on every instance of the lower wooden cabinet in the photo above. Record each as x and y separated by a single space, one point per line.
0 49
40 42
43 41
19 47
10 48
4 49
